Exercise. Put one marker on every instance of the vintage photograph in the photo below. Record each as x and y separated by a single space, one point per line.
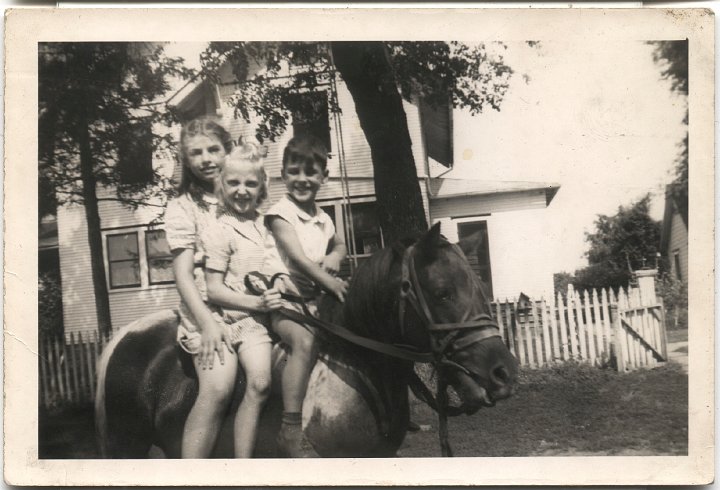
270 249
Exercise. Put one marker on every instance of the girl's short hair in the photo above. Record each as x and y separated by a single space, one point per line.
307 149
206 126
249 153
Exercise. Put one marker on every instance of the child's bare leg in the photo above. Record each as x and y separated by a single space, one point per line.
301 360
256 363
296 375
206 417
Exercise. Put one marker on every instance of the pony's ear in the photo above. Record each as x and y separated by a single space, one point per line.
471 243
429 243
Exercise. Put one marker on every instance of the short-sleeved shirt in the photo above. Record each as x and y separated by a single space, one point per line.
315 234
235 246
185 221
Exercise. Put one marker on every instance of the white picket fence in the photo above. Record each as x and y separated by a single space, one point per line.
67 368
601 328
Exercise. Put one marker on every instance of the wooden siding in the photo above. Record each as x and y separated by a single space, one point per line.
128 306
485 204
678 242
514 221
78 296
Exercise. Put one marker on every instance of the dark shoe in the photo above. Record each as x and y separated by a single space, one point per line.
292 443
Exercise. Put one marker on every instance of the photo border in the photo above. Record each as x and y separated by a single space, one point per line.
26 27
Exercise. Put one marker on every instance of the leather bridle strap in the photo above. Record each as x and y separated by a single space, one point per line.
344 333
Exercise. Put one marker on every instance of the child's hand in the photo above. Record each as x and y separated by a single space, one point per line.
338 288
270 300
212 340
331 264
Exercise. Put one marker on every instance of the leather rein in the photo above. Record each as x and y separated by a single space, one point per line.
411 294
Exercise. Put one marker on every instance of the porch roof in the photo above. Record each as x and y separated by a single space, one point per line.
442 188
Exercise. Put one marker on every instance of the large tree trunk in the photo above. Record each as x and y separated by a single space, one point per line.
366 70
92 214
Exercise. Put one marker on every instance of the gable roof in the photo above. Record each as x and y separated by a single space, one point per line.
442 188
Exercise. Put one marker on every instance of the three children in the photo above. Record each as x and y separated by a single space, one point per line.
215 223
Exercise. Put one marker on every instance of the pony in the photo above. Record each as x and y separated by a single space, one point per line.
414 301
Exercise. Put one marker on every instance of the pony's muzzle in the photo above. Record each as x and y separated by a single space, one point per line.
503 382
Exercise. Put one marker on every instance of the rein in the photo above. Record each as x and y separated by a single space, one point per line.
410 294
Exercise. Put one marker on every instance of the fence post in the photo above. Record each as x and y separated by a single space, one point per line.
617 337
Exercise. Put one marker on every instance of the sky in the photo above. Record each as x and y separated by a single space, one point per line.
594 117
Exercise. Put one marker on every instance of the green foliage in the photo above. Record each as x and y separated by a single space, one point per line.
472 77
102 93
626 241
50 310
674 294
672 58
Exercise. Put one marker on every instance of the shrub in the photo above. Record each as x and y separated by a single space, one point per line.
674 294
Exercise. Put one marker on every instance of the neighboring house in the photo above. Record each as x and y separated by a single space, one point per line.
674 237
137 259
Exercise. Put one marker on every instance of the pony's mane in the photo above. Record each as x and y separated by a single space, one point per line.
371 304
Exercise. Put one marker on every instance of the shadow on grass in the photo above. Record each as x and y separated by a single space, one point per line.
571 409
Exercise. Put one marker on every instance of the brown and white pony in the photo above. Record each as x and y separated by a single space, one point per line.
357 399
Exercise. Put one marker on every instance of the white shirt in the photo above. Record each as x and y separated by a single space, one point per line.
315 234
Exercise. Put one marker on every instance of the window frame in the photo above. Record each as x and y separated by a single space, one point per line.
676 264
109 262
483 218
139 231
340 223
328 115
147 254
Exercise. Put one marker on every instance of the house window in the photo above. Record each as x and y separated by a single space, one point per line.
135 153
480 261
159 258
367 235
676 265
137 257
310 116
123 260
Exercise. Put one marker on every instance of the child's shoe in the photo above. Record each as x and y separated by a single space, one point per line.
292 443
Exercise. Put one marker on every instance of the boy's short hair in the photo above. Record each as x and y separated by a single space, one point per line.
307 149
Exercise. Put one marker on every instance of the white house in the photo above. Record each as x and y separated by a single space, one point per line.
137 259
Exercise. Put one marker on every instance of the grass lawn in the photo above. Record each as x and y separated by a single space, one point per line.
560 410
571 410
677 335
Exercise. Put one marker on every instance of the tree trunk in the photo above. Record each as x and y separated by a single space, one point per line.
92 214
366 70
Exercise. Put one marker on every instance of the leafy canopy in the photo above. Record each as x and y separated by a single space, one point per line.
471 77
104 94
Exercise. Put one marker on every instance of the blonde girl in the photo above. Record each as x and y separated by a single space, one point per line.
234 246
204 145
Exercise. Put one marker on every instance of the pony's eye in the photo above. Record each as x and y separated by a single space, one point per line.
444 295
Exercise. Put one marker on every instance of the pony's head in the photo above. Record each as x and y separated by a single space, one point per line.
460 327
426 296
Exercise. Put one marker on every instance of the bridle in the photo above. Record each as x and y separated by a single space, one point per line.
442 346
482 324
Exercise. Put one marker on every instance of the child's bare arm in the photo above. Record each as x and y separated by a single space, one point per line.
287 239
183 267
338 252
220 294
